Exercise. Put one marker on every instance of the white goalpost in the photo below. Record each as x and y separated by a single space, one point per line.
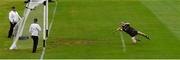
30 6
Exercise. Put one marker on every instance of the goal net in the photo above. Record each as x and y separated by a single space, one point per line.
22 36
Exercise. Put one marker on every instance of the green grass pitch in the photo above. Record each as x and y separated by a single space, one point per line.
85 29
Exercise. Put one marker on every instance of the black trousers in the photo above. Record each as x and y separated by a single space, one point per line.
35 43
12 25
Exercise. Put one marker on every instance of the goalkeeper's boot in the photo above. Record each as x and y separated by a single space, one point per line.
147 37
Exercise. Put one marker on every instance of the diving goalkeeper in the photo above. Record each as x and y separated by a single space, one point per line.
124 26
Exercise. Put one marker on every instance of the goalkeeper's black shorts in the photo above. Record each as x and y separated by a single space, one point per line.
132 33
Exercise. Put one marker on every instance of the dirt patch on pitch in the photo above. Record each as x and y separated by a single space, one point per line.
70 42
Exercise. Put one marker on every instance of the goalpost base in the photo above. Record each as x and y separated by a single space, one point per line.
13 47
23 37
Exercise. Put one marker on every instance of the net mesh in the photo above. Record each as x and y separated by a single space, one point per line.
25 41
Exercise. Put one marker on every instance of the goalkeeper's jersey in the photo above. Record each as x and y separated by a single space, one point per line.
131 31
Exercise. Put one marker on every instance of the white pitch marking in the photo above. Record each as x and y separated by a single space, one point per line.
123 42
